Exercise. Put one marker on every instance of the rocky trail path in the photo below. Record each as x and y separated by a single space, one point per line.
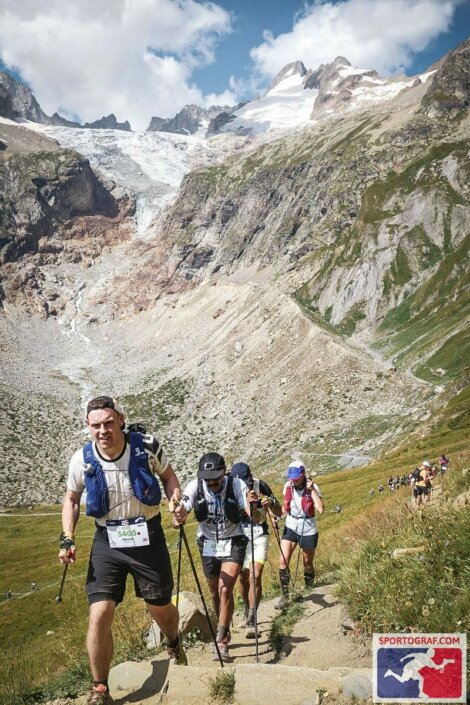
323 662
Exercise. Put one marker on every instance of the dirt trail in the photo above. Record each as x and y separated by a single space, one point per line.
318 641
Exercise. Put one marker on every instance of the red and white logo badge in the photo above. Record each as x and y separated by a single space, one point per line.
419 667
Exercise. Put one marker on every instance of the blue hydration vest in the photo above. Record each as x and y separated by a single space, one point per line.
144 484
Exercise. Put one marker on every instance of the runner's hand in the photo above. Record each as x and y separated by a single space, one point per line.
265 501
179 514
252 497
67 548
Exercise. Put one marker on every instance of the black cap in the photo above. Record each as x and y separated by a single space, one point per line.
211 466
241 470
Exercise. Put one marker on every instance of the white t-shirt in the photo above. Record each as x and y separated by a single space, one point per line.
122 501
216 526
296 519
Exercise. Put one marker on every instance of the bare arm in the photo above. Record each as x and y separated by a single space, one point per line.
318 501
171 485
70 516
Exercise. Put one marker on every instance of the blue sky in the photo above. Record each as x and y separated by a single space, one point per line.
140 58
251 18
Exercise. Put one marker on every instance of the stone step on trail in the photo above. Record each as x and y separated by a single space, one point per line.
156 681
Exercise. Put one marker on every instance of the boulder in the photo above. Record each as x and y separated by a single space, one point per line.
192 616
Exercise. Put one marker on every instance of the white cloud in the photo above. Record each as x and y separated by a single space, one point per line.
134 58
379 34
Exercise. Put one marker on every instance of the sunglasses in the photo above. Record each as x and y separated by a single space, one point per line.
214 483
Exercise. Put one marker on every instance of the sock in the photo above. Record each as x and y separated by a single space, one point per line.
221 632
309 575
251 616
173 643
284 580
247 609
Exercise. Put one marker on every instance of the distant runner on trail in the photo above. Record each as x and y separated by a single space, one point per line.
262 498
444 463
421 481
219 503
119 472
302 500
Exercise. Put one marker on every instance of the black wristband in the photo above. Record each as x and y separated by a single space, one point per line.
65 541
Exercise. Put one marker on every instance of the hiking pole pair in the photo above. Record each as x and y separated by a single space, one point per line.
201 595
253 577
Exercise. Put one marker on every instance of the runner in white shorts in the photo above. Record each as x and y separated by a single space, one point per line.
261 497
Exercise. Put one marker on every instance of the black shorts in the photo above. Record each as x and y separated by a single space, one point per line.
211 567
307 542
421 490
150 566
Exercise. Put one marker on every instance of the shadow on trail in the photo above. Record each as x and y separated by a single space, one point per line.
152 686
319 599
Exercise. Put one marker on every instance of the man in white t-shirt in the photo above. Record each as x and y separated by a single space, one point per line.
219 503
302 501
119 472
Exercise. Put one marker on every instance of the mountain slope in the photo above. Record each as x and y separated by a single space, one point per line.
255 315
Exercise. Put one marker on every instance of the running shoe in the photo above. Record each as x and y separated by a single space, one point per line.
224 654
281 603
177 653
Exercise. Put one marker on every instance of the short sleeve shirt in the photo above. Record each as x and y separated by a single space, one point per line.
122 501
216 526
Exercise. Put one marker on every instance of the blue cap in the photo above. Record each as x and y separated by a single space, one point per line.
295 470
241 470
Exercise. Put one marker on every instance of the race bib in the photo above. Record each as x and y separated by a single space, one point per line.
127 533
217 549
257 531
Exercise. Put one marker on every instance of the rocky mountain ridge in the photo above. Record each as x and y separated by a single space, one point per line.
17 102
244 319
189 120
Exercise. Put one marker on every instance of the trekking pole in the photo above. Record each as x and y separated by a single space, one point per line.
178 574
275 529
253 577
298 555
59 596
201 595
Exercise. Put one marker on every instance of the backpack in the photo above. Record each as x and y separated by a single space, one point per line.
145 485
231 508
308 506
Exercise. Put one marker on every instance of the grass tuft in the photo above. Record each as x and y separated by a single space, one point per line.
221 685
283 624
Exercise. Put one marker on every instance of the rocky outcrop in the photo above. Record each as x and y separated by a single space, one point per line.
449 93
108 123
57 119
17 101
53 209
188 121
292 69
335 83
156 123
